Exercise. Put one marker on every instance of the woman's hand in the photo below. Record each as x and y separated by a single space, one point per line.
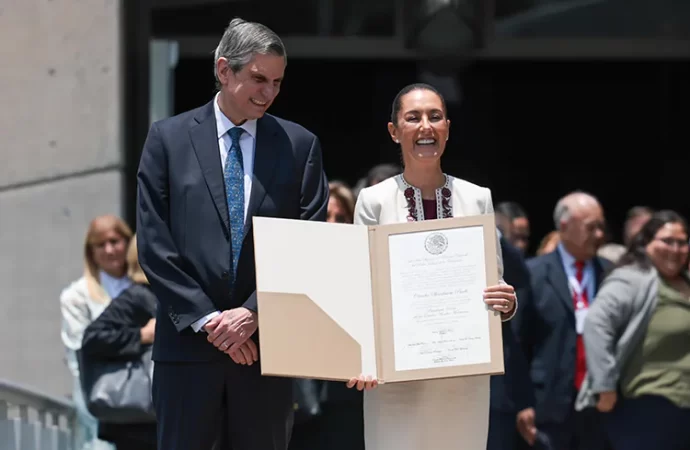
148 332
607 400
363 383
501 298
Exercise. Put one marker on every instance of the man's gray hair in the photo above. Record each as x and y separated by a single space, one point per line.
561 212
243 40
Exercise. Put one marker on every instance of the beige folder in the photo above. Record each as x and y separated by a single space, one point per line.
325 303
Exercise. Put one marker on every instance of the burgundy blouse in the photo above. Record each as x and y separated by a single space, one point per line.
429 209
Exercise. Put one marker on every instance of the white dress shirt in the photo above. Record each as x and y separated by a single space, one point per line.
587 284
247 145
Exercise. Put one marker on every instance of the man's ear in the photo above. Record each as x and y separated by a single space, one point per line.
222 70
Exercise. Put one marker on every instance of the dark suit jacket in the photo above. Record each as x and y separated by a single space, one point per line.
546 328
116 335
183 225
512 391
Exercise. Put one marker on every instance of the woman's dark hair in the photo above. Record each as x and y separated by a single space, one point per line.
636 251
397 102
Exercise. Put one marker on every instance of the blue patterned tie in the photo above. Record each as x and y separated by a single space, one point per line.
234 190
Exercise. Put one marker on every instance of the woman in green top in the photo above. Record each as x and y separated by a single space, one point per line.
637 339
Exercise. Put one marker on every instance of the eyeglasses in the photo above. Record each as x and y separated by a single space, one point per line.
671 242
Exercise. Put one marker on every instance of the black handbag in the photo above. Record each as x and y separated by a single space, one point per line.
118 391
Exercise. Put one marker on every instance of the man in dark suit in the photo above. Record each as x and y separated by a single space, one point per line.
203 175
511 392
513 222
549 326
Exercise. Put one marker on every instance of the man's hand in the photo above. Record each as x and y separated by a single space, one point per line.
526 426
247 354
607 400
231 328
148 332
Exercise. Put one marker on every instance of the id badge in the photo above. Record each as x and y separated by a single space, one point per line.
580 316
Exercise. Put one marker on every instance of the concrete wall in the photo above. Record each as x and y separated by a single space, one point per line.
61 164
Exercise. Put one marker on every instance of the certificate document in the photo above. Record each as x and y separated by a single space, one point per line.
437 282
411 309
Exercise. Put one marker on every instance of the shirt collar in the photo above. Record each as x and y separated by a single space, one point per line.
568 259
223 124
113 286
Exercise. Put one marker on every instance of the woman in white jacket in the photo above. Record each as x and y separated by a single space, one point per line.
432 414
104 278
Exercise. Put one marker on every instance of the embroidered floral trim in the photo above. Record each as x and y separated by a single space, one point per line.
415 206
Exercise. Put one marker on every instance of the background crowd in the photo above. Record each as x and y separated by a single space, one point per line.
615 378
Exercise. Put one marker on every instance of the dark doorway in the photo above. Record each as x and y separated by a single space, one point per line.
531 131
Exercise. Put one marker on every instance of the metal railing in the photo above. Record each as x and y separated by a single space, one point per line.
32 420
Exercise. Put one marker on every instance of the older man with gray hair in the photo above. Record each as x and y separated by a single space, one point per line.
203 175
550 325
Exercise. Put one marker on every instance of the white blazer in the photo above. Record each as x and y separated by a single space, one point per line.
385 203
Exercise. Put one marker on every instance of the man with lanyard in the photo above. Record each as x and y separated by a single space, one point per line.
550 324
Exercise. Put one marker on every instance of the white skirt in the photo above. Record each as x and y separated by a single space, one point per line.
443 414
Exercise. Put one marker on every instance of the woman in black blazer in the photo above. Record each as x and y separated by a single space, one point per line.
125 330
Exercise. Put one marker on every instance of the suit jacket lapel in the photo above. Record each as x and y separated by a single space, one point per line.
401 210
598 276
459 209
265 159
559 280
204 138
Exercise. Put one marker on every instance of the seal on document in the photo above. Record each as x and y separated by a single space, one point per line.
436 243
